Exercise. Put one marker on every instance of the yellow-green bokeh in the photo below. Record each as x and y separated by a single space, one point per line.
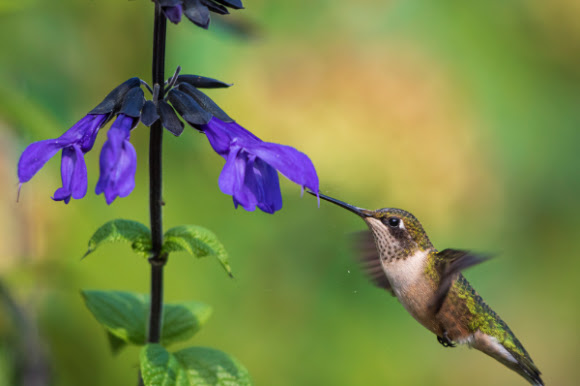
467 114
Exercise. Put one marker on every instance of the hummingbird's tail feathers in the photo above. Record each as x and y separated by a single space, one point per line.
510 353
370 260
532 376
526 368
448 264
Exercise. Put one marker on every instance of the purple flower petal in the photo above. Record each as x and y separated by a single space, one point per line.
106 163
118 181
294 165
221 134
125 177
231 180
270 196
35 156
118 161
74 175
79 139
91 129
83 132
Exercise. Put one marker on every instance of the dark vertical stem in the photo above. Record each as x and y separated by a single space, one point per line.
157 260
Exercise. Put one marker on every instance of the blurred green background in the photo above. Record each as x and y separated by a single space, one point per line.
467 114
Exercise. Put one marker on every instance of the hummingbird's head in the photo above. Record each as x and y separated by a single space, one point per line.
398 234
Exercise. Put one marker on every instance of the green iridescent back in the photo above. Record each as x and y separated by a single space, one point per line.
482 318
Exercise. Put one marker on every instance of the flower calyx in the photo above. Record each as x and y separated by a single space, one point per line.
127 97
182 94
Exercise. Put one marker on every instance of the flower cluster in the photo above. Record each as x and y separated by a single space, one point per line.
198 11
125 103
250 172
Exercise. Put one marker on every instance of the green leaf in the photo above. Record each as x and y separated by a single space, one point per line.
116 344
199 366
197 241
122 230
124 315
183 320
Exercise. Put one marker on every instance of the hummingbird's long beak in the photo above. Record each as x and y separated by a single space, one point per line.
361 212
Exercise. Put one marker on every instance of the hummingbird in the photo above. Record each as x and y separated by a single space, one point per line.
398 257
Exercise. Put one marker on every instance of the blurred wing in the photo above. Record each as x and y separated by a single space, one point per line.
370 260
449 263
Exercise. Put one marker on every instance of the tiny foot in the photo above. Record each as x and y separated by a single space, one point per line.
445 342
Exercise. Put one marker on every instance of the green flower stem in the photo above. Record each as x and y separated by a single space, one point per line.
157 259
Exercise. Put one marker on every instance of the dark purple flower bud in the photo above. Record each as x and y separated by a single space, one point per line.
133 103
235 4
169 119
204 101
198 11
173 13
249 174
188 108
215 8
113 102
149 114
168 3
202 81
118 162
74 143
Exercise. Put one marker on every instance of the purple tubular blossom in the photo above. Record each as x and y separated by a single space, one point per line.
74 143
73 174
249 174
118 161
173 13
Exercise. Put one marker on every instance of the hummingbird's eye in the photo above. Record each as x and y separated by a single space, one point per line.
393 221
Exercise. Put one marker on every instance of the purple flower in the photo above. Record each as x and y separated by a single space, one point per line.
74 143
249 174
118 161
198 11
